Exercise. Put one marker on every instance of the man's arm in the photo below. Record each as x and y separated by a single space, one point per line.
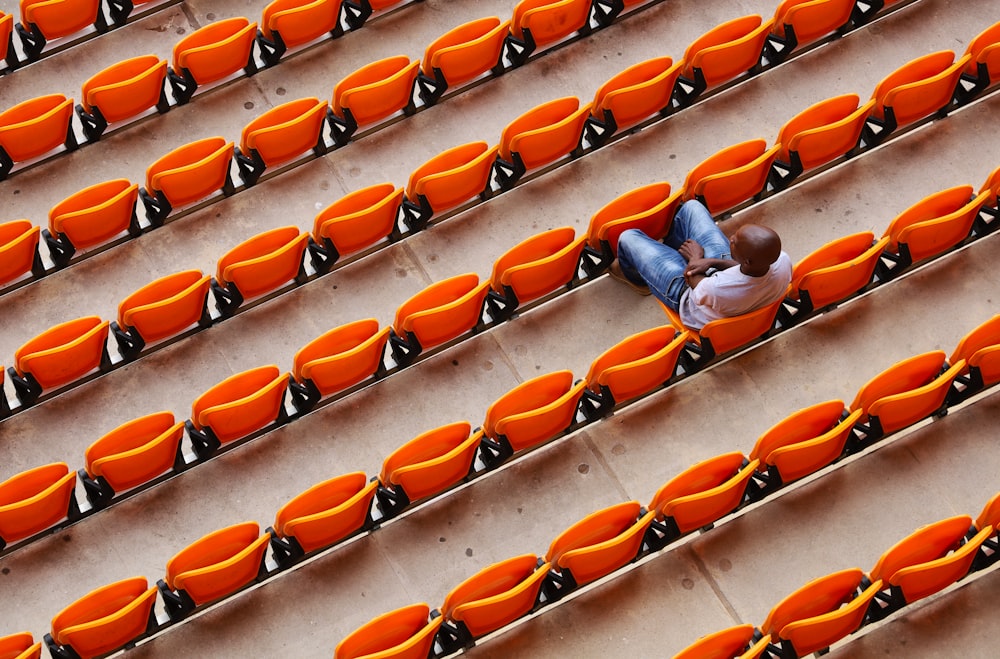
698 268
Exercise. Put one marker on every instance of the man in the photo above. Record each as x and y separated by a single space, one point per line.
700 273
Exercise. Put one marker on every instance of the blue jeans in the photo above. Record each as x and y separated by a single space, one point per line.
660 266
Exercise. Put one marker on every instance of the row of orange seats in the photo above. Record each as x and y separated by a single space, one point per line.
230 559
832 607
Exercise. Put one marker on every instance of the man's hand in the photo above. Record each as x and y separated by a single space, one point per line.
698 266
691 251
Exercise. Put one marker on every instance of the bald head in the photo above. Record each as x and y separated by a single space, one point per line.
755 247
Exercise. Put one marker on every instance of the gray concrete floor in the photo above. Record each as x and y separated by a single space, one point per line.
731 574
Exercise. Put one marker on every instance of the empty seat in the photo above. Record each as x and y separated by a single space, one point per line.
534 267
638 92
91 217
337 360
980 350
19 250
239 405
732 643
105 619
6 45
595 546
817 135
931 558
540 136
35 500
160 310
801 22
447 180
46 20
212 567
461 54
120 92
721 54
542 22
132 454
803 443
212 53
649 208
258 266
187 175
286 24
815 616
59 355
441 312
404 633
20 646
353 222
372 93
322 515
490 599
280 135
532 412
983 67
425 466
905 393
700 495
33 128
990 549
730 176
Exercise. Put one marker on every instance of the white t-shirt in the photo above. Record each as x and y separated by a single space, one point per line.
729 292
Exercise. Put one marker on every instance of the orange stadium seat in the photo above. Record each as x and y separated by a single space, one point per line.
720 55
105 619
187 175
214 566
990 549
35 500
801 22
160 310
353 222
490 599
236 407
59 355
20 646
532 268
337 360
6 44
983 67
803 443
120 92
542 22
441 312
532 412
538 137
372 93
404 633
425 466
91 217
640 91
258 266
732 643
33 128
699 496
446 180
813 617
212 53
905 393
132 454
980 350
649 208
731 175
19 250
721 336
286 24
461 54
321 516
280 135
46 20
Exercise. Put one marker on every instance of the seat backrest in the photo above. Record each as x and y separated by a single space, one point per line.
242 403
805 424
794 461
932 236
919 581
838 269
34 500
95 214
812 19
900 410
819 596
264 262
327 511
218 563
649 208
909 375
217 50
18 248
166 306
65 352
341 357
20 646
549 20
402 633
919 87
59 18
496 595
6 29
285 131
535 409
732 175
432 461
978 341
613 538
453 176
824 130
926 544
596 528
728 50
538 265
127 88
191 172
638 92
985 50
105 619
135 452
36 126
359 219
545 133
376 90
466 51
299 21
933 206
990 516
638 364
704 492
724 644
